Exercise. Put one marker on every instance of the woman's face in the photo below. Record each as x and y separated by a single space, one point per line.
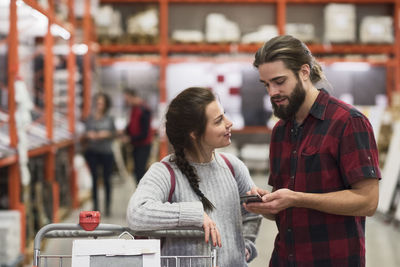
100 104
218 128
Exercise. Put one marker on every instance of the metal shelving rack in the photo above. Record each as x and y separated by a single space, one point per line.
50 148
165 48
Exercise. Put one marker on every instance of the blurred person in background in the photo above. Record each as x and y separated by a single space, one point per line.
324 166
100 131
139 131
208 186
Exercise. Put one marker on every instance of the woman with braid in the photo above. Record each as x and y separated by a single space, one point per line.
207 186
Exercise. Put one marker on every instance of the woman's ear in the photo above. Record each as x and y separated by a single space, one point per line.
192 135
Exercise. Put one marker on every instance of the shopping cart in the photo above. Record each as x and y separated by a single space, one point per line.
89 227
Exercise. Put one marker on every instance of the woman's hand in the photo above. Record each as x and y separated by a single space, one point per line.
210 228
247 253
91 135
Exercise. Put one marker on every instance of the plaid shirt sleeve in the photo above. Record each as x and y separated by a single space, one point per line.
359 153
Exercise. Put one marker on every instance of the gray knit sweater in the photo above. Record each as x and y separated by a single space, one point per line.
149 209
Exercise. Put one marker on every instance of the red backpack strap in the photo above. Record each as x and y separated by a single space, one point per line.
172 177
228 163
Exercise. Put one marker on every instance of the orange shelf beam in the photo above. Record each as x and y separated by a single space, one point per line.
249 48
87 76
128 1
108 61
340 1
6 161
351 49
223 1
129 48
13 67
48 83
397 49
250 1
14 178
281 16
211 48
39 151
64 144
53 19
163 147
71 66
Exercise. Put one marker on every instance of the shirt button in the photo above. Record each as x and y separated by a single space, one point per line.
289 230
291 177
294 151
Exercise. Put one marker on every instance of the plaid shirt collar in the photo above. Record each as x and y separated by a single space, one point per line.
319 107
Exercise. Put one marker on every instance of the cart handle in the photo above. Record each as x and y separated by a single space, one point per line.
71 230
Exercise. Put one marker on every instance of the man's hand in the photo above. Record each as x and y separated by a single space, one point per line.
257 191
278 200
272 203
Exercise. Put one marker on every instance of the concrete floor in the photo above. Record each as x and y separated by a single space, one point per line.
382 239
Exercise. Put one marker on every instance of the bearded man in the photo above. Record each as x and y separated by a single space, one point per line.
323 164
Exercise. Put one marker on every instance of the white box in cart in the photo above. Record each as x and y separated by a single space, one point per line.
10 235
116 252
340 23
376 29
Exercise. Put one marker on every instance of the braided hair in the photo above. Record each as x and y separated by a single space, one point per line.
186 114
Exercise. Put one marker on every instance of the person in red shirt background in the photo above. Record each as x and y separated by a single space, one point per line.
324 166
139 131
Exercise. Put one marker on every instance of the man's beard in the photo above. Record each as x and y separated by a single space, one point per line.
295 100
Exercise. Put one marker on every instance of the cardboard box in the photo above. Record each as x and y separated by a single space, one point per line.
340 23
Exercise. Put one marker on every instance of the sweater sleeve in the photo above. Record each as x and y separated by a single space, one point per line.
251 221
149 209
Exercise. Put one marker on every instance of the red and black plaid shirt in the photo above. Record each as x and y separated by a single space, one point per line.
333 149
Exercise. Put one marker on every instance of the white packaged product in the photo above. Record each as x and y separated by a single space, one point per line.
220 29
340 23
103 17
376 29
10 236
302 31
144 23
263 34
187 36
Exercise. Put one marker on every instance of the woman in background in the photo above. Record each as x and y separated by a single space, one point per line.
100 132
207 191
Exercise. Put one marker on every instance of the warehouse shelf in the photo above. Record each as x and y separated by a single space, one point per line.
45 142
171 52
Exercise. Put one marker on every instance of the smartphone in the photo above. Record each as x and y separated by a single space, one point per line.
250 198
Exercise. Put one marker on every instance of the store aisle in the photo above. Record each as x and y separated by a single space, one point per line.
383 246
